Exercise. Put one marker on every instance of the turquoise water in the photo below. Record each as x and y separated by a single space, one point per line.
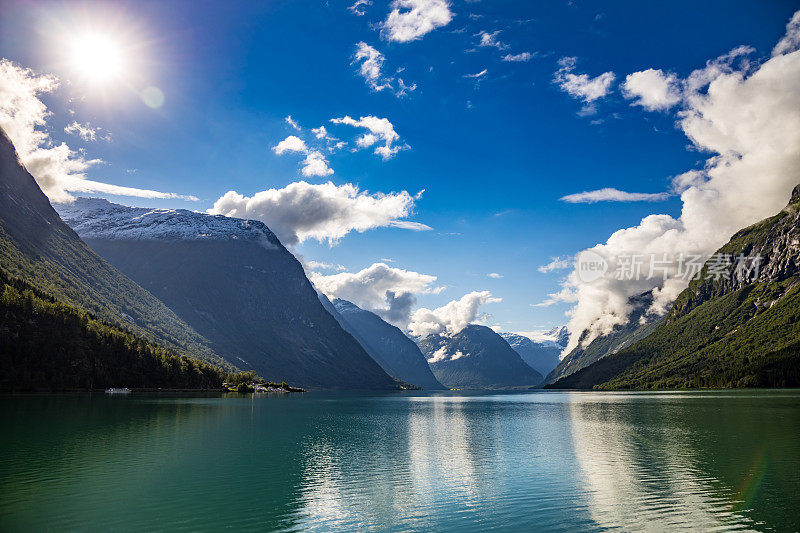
401 462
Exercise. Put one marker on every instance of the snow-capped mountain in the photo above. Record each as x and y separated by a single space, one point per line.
234 282
541 356
95 218
477 358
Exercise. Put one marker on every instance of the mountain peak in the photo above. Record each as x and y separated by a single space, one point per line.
794 201
95 218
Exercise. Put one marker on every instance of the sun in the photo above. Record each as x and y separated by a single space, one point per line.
97 57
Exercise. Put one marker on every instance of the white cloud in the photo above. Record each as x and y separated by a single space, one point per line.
371 62
57 169
320 133
403 89
747 117
324 212
86 132
652 89
517 58
613 195
582 86
490 40
411 19
791 40
557 263
494 275
291 143
477 74
318 265
438 355
293 123
451 317
387 291
314 163
378 129
359 8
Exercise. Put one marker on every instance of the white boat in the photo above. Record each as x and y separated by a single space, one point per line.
114 390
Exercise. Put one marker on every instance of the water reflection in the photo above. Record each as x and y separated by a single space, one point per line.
646 464
406 462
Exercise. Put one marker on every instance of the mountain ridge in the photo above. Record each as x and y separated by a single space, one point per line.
38 247
722 332
235 283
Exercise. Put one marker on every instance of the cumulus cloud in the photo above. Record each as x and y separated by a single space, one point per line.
490 40
411 19
57 169
494 275
652 89
324 212
314 164
613 195
292 143
517 58
451 317
582 86
746 116
320 133
379 131
387 291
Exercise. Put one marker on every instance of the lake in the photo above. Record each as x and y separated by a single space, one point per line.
413 461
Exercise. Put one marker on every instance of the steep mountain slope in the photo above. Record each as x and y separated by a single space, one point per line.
639 326
234 282
477 358
398 355
46 345
723 331
541 356
36 246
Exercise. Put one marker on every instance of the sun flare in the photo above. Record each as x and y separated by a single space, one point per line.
97 57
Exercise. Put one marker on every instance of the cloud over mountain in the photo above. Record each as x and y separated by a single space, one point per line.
325 212
452 317
746 115
387 291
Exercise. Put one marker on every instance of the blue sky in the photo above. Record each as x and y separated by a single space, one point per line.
494 154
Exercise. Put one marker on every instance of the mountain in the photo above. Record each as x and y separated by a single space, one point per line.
235 283
541 356
38 247
477 358
734 331
398 355
47 345
639 326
